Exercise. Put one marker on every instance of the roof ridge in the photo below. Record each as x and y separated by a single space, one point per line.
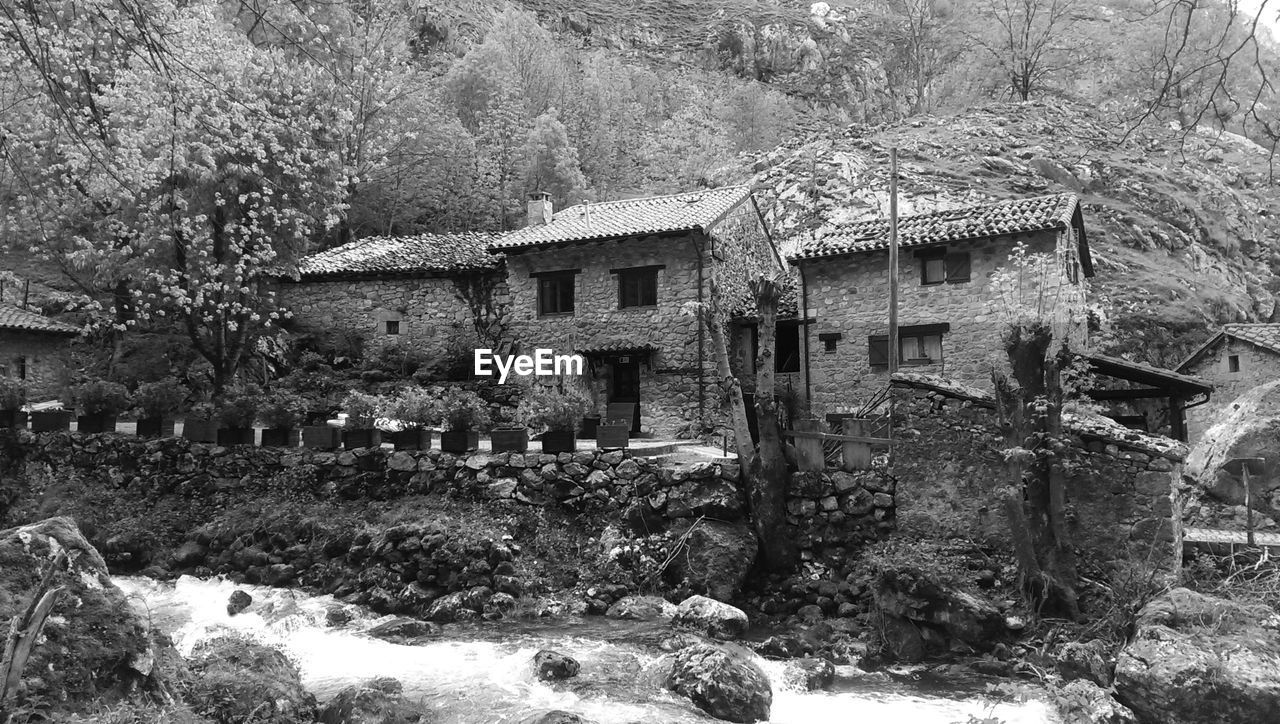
961 209
665 197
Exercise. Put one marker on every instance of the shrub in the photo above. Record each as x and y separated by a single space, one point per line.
559 408
240 408
463 410
99 397
157 399
283 409
362 409
13 393
415 407
202 411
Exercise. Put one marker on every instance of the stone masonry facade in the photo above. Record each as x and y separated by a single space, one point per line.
41 357
1257 366
848 296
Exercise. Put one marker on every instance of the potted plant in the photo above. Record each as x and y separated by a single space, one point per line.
281 414
237 414
99 402
559 410
13 395
590 423
464 414
156 403
317 434
509 437
199 424
414 408
362 412
613 433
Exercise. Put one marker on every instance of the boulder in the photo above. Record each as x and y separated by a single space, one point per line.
810 674
1196 659
723 681
238 601
642 608
712 497
452 607
93 645
553 665
1084 702
236 679
1249 427
403 630
711 617
909 597
378 701
1088 661
555 716
716 558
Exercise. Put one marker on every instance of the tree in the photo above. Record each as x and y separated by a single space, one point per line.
925 33
1029 40
551 162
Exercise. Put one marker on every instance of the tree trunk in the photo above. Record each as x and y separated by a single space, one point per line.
767 474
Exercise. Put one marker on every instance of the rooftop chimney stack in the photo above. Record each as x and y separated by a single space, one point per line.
540 210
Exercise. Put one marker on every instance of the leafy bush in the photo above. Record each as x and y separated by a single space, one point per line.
463 410
157 399
362 409
202 411
415 407
240 408
559 408
100 397
283 409
13 393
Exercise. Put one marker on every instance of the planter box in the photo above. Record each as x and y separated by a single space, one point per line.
200 430
510 440
361 437
50 421
589 426
16 419
415 438
281 437
613 435
556 441
93 424
321 437
228 436
155 427
459 441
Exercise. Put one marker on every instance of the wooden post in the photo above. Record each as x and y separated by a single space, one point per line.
1244 467
893 260
857 455
809 455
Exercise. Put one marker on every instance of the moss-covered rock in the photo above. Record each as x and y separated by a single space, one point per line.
236 680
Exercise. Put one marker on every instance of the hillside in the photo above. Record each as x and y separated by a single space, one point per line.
1184 236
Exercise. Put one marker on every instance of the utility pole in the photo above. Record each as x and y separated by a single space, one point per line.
893 260
1244 467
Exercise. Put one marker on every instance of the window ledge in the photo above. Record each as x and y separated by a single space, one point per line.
553 315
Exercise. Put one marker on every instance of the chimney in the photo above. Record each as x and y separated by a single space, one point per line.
540 210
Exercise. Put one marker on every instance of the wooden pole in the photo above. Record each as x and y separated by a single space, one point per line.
893 260
1248 504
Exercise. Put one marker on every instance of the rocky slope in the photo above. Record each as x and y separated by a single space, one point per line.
1184 228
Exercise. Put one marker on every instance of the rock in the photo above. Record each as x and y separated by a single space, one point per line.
403 630
943 611
786 646
1196 659
375 702
94 644
642 608
711 497
451 607
552 665
810 613
1077 660
711 617
1249 427
1083 702
556 716
190 554
238 601
337 616
811 674
716 558
722 681
240 680
903 640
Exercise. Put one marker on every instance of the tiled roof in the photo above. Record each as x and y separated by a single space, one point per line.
378 255
1146 374
617 348
1266 336
971 222
28 321
699 210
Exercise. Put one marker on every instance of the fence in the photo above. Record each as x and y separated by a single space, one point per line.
849 449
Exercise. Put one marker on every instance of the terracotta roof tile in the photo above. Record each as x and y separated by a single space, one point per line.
632 217
28 321
971 222
1266 336
376 255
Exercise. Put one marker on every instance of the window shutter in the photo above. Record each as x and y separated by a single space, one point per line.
878 350
958 267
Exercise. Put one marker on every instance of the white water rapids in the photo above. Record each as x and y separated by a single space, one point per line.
481 673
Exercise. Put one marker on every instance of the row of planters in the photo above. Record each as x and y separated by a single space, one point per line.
556 411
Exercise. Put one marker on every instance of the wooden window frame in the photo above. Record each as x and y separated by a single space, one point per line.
876 342
391 327
569 276
1233 363
957 266
637 274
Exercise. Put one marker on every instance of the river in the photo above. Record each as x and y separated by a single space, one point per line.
481 673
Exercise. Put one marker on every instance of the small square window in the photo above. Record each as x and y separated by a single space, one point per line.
555 293
637 288
393 326
829 340
1233 363
933 270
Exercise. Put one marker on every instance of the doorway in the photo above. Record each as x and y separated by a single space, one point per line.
624 387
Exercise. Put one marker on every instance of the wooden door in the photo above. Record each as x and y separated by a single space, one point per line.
624 386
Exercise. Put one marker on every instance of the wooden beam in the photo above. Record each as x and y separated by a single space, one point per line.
809 435
1141 393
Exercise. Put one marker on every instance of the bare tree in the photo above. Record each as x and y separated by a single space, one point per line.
1029 40
925 33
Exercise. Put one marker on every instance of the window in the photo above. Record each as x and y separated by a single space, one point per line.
393 326
937 266
555 292
787 349
917 345
21 364
829 340
1233 363
637 287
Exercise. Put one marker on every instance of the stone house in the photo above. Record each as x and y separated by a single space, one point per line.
948 323
1235 360
35 348
439 295
608 281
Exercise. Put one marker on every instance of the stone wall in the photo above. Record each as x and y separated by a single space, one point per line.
848 296
1125 487
1257 366
46 358
433 318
